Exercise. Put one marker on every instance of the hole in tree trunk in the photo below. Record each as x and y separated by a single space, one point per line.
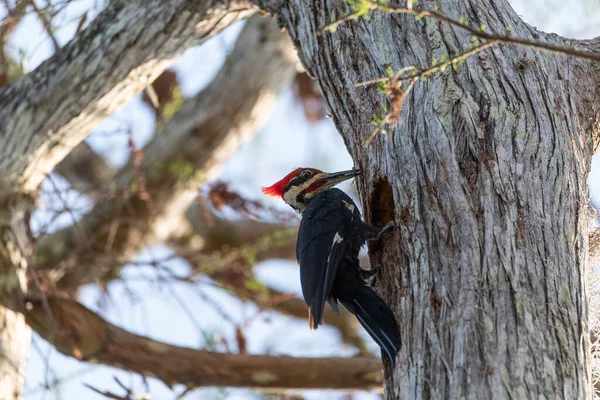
381 210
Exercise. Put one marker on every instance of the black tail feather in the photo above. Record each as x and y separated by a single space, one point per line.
376 317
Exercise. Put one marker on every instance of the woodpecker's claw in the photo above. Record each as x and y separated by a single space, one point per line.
386 228
389 226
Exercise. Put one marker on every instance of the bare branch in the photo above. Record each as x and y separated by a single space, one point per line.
56 106
84 169
109 395
47 25
85 335
181 156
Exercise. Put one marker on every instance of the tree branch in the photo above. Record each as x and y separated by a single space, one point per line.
84 169
57 105
181 156
84 335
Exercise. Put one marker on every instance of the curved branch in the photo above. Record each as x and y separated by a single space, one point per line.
56 106
84 169
182 156
84 335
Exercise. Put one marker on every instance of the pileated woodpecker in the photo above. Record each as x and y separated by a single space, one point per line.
329 239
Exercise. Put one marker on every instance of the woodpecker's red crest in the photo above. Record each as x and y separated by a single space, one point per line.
299 186
278 188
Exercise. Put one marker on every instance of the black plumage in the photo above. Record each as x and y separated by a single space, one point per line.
329 240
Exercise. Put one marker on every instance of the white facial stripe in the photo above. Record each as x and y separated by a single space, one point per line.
291 195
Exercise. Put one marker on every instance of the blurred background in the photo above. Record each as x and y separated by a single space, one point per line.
221 275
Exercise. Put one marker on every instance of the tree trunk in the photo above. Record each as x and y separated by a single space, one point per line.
486 176
15 335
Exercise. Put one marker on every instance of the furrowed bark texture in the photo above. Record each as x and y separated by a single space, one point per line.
85 335
56 106
486 177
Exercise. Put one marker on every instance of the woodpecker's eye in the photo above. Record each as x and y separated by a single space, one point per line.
306 174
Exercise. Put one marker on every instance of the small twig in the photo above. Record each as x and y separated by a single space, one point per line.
420 13
187 390
502 38
47 25
355 15
125 388
389 116
152 95
137 156
379 80
394 115
108 395
129 395
435 68
80 23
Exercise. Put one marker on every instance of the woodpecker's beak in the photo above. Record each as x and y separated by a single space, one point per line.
337 177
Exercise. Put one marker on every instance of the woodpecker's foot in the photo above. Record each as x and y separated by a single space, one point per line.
367 274
386 228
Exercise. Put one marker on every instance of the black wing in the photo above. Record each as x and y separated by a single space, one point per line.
323 239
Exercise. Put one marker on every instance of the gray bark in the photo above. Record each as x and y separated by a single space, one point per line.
14 332
486 177
56 106
15 335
